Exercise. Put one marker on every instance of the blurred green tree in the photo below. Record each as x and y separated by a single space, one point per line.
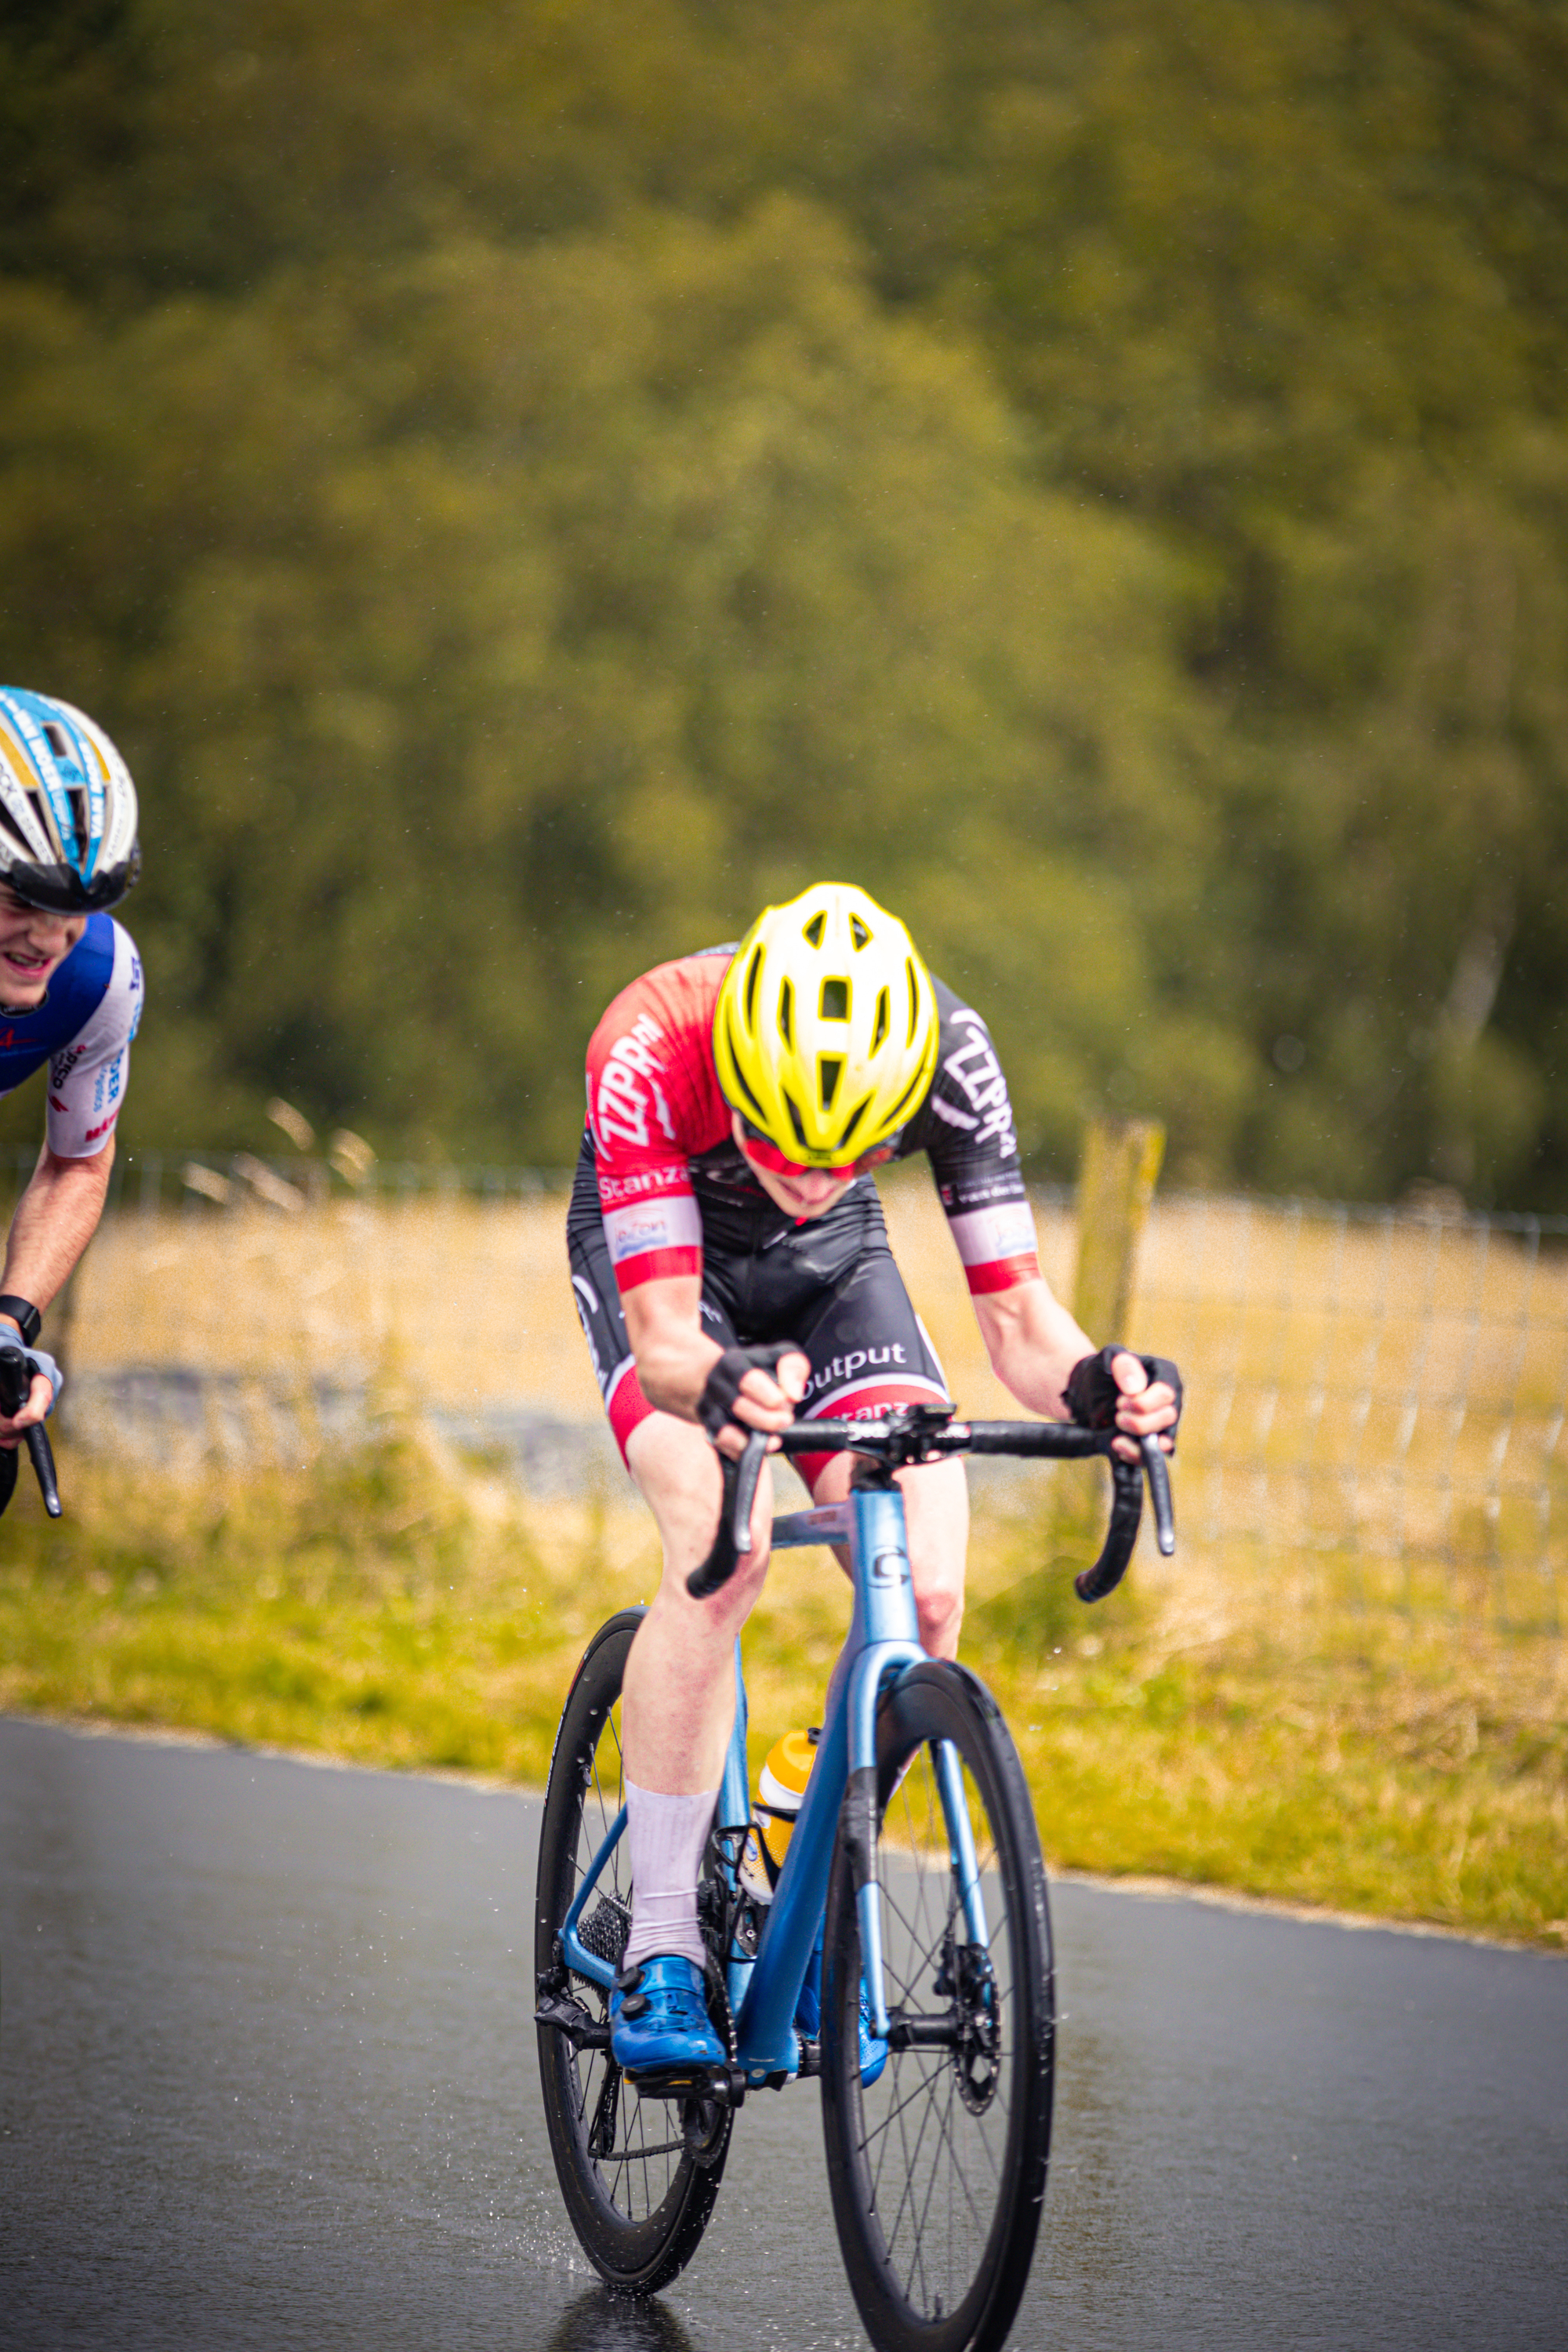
503 621
1118 511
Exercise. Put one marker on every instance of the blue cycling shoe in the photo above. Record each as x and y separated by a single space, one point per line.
808 2020
658 2018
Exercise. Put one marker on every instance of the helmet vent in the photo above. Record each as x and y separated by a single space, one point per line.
858 933
740 1077
67 835
914 997
786 1013
884 1019
835 1000
829 1070
753 974
851 1123
814 929
796 1121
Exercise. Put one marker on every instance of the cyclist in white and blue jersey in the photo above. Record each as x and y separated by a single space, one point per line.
70 997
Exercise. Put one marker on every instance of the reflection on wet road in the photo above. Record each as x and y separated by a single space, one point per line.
267 2081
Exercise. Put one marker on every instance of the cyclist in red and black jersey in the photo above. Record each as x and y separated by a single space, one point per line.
731 1270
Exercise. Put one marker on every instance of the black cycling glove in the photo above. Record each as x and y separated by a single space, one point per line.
17 1375
716 1405
1092 1395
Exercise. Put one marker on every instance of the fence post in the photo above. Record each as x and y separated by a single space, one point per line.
1115 1186
1116 1182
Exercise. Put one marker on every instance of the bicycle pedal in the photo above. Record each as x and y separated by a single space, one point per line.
724 2085
569 2017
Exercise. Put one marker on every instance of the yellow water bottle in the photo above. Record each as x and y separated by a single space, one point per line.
780 1789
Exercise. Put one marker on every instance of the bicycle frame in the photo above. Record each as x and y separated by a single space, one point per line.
883 1642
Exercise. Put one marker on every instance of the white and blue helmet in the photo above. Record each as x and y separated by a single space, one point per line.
68 807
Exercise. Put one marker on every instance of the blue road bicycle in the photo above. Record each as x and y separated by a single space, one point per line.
917 1833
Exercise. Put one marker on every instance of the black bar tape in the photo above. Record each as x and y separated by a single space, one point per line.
733 1539
1126 1512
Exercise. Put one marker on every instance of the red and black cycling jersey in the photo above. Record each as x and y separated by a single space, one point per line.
671 1181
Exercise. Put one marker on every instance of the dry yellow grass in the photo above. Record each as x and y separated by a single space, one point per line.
394 1608
1371 1406
1348 1689
472 1297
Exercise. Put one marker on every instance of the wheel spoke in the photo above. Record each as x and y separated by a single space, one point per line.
919 2093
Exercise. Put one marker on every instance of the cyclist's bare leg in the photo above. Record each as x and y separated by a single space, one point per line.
936 1514
678 1701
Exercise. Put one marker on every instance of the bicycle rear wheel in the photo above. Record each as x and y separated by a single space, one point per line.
938 2170
638 2175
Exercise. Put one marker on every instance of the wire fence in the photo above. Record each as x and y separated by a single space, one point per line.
1375 1396
1379 1397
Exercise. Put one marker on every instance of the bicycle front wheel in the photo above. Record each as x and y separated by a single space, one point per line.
638 2175
938 2170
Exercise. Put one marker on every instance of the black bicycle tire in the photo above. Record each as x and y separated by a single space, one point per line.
634 2257
940 1700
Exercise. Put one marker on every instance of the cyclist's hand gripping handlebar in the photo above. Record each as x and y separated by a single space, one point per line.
15 1385
716 1411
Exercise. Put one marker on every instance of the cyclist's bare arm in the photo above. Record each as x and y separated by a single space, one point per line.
674 1356
1032 1343
55 1218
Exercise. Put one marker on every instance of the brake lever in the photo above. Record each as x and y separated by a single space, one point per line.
733 1542
1154 1463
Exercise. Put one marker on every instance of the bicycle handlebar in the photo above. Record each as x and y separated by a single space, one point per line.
925 1434
16 1383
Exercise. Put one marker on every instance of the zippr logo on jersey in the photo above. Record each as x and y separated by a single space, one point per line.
975 1069
629 1077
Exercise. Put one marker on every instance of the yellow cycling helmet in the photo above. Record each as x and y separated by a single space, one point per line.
825 1033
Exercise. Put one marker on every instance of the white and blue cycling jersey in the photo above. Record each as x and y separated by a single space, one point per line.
82 1030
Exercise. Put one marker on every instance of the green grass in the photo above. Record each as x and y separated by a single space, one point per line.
384 1610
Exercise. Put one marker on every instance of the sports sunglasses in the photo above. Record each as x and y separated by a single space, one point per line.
766 1153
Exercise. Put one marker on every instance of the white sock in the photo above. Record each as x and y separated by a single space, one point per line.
666 1836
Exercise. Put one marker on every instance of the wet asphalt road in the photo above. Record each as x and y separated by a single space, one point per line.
267 2081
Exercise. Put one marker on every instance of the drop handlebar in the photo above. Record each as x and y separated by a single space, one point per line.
925 1434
